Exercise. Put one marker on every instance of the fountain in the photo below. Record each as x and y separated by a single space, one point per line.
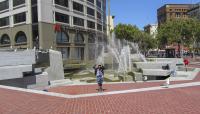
121 53
123 60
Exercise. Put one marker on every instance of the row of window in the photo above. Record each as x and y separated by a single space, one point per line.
76 5
62 37
78 53
5 4
20 37
90 11
76 21
17 18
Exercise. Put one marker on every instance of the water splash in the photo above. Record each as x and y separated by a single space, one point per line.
122 53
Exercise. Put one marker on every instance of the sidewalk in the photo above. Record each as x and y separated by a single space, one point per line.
182 99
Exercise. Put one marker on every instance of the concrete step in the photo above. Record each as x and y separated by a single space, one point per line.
60 82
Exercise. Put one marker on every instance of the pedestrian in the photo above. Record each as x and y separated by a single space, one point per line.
99 72
186 62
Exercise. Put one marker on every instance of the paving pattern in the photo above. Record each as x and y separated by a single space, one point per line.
166 101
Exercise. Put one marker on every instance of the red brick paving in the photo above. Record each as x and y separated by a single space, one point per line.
85 89
168 101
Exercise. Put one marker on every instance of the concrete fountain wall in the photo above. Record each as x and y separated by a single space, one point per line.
13 64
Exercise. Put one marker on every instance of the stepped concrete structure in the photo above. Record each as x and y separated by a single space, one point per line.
23 68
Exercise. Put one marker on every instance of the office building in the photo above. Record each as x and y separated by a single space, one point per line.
73 27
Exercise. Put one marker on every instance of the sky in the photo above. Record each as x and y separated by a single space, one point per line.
140 12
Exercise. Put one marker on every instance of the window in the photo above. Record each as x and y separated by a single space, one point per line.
91 38
21 17
79 53
61 17
62 2
91 52
90 24
78 7
178 15
78 21
100 39
4 5
4 21
18 2
34 14
91 1
62 37
99 15
79 38
20 37
99 3
90 11
5 39
65 52
99 27
33 2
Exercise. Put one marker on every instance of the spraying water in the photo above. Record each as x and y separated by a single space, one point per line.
122 53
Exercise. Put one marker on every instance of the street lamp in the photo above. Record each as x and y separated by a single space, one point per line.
109 19
182 43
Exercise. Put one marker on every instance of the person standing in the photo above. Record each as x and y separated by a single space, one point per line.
99 72
186 63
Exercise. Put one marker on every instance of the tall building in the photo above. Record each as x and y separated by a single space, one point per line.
70 26
112 26
151 29
194 11
172 11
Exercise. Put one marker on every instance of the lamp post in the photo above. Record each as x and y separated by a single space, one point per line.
109 19
182 42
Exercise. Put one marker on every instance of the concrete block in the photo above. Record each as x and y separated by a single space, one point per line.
138 76
11 72
26 57
156 72
56 70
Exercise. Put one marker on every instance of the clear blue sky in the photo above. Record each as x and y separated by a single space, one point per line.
140 12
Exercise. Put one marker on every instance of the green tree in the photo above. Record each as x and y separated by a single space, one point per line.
133 34
127 32
184 31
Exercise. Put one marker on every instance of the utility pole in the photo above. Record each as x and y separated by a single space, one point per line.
109 35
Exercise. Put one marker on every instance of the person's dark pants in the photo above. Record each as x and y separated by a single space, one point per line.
100 84
100 87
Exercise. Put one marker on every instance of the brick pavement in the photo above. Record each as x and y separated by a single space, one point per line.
167 101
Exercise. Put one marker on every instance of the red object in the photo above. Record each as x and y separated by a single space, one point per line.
57 28
186 62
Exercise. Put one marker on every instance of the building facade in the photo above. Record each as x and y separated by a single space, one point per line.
151 29
172 11
111 26
73 27
194 11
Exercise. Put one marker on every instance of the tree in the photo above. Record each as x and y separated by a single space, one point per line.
133 34
184 31
127 32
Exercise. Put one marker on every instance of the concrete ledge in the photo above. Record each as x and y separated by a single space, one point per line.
154 65
26 57
156 72
11 72
178 61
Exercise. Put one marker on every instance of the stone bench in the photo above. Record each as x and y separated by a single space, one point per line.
177 61
154 65
155 72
